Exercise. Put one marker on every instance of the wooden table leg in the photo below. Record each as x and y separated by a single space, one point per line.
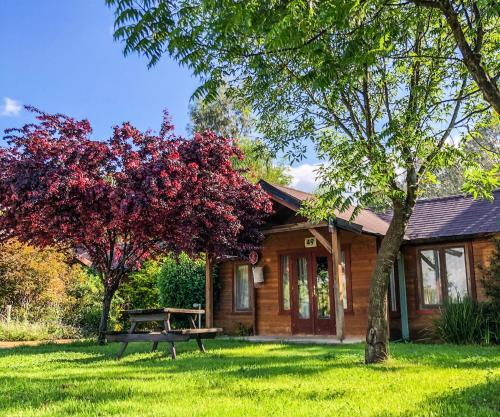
200 345
166 323
123 345
173 353
155 345
198 340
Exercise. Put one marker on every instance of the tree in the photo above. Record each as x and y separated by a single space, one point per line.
367 84
222 115
474 26
32 280
225 117
450 181
259 163
226 210
121 200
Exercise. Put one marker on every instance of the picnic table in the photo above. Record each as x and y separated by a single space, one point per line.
167 334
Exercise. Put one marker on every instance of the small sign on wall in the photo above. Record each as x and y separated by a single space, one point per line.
310 242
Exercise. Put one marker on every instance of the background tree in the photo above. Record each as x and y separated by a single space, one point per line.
226 117
376 88
450 181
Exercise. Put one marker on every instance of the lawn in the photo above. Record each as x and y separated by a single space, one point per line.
242 379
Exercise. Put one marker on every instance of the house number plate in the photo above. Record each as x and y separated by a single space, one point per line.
310 242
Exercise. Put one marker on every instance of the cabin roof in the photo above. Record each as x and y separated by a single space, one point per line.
445 217
453 216
366 220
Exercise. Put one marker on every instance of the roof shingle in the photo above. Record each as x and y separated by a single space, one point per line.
452 216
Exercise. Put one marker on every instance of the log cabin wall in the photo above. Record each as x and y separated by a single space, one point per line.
420 321
269 320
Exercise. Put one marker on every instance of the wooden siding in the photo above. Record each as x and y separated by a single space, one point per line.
421 320
268 318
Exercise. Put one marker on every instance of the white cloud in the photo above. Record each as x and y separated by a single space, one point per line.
10 107
304 177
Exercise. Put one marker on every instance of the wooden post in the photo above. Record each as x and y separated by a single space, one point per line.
209 296
338 287
8 312
405 330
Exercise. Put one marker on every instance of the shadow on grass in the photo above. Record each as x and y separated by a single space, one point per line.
481 400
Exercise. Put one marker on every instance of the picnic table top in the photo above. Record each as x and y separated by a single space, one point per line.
165 310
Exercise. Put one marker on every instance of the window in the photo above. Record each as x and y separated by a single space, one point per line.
242 288
345 264
285 283
442 275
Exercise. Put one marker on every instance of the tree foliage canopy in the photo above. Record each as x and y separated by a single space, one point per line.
128 198
379 87
226 117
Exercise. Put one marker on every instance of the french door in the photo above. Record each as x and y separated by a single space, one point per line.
312 294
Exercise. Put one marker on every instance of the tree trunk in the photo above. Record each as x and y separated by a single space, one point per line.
377 335
106 307
209 293
471 58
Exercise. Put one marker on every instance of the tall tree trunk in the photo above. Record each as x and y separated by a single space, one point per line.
106 307
377 334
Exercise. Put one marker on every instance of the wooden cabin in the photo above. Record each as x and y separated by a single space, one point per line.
313 279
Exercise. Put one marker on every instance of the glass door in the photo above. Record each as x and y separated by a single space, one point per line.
312 291
323 301
302 315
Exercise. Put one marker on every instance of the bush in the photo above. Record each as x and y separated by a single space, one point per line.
181 282
33 280
83 304
140 290
465 321
15 331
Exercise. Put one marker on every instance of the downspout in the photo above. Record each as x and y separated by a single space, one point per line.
405 330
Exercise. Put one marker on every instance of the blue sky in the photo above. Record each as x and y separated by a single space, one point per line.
60 56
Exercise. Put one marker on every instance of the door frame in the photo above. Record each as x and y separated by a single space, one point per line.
313 325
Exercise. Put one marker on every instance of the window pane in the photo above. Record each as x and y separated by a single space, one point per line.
303 287
431 282
392 292
456 273
242 288
344 278
322 286
285 282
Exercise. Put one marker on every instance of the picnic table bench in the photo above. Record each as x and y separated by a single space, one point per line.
167 334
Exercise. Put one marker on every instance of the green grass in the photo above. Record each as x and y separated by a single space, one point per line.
241 379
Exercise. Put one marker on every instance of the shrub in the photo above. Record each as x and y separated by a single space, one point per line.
83 304
140 290
15 331
464 321
32 280
181 282
242 330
